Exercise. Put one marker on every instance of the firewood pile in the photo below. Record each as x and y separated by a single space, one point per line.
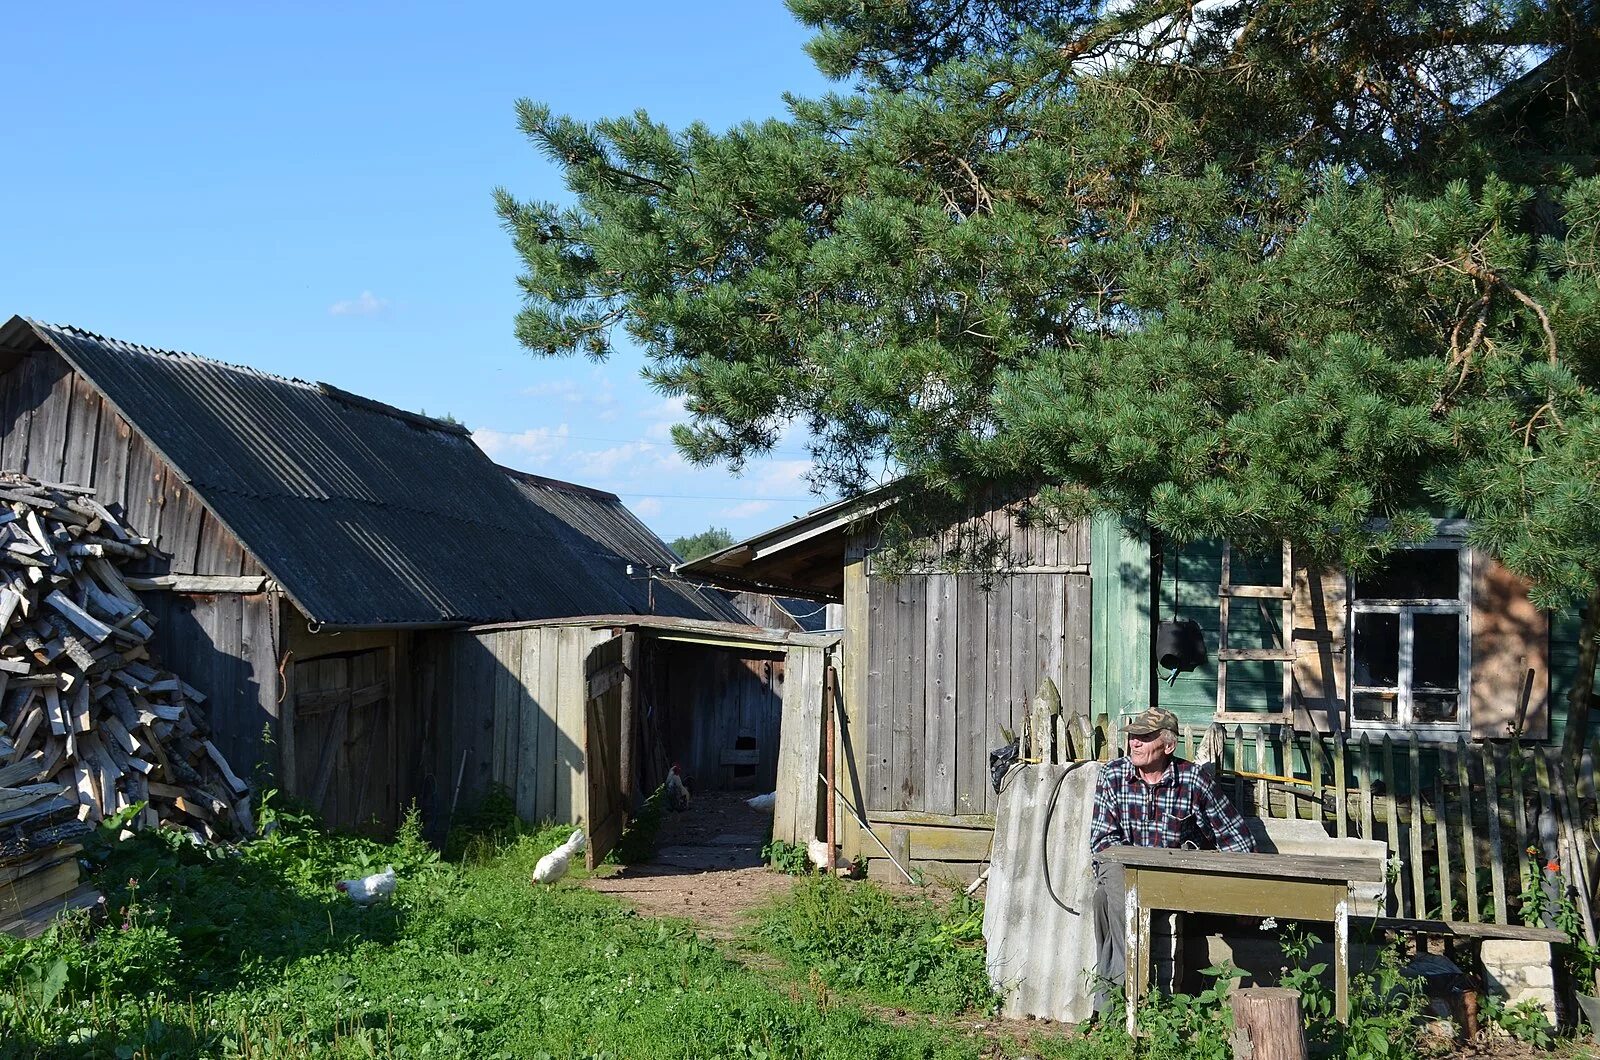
89 723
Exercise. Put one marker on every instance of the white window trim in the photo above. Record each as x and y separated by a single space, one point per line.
1449 534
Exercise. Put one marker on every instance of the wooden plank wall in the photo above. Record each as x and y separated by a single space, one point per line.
223 645
955 657
55 426
506 707
710 697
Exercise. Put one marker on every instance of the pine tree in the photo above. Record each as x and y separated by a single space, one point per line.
1302 269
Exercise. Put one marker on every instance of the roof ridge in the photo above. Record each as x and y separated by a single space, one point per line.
112 340
327 390
560 485
415 419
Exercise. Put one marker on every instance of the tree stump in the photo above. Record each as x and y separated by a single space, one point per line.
1267 1024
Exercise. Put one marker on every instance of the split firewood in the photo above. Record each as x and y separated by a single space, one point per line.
90 722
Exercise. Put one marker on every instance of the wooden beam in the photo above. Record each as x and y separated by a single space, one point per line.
199 583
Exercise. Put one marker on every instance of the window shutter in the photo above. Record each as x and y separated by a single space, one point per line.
1510 655
1319 646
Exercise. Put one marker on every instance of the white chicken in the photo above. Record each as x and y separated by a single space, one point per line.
555 864
677 790
763 803
817 851
369 889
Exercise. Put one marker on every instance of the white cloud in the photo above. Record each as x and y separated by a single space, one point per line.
536 445
365 304
647 508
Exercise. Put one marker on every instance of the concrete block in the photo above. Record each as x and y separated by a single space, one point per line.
1539 975
1513 952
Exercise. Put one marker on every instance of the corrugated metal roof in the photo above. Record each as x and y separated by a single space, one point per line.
365 514
601 528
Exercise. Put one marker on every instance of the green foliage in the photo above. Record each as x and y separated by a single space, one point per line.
1524 1021
1316 1001
693 546
1263 274
787 858
479 832
1385 1008
908 952
638 841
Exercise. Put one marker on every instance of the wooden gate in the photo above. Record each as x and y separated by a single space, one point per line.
610 671
344 740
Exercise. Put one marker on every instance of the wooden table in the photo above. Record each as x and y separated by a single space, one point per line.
1291 886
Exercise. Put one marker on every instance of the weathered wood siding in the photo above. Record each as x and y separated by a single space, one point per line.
223 644
55 426
717 704
353 745
506 707
952 658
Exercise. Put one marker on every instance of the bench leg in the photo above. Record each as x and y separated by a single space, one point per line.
1137 931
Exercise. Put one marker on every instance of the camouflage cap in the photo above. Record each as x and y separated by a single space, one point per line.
1151 721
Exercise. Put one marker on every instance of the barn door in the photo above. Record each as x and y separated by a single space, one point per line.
344 740
607 753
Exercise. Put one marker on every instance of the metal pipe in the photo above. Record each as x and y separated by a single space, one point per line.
862 821
829 705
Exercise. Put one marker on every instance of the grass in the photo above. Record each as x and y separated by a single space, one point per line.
251 953
911 953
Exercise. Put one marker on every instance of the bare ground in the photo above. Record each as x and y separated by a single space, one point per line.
707 867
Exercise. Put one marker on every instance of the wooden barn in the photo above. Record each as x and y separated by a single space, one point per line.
1307 672
319 552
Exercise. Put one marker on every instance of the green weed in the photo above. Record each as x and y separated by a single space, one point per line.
787 858
908 952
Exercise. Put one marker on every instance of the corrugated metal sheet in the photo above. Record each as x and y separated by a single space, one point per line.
1040 932
599 527
364 514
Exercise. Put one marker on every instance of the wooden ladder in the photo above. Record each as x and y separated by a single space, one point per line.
1283 653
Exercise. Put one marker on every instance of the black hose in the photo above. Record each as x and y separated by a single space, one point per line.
1044 851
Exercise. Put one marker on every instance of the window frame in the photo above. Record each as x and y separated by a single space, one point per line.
1447 535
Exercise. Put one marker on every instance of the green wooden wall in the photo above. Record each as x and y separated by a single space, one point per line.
1120 565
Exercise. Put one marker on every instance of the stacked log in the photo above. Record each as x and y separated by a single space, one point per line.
90 724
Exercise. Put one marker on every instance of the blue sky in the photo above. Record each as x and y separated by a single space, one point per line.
307 190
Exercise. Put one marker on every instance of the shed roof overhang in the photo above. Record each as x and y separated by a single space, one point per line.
804 557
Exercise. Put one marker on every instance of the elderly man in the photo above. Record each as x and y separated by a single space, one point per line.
1149 798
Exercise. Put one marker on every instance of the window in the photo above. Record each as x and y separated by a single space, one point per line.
1410 657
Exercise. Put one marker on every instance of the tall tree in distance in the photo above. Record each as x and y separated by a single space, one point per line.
1300 269
693 546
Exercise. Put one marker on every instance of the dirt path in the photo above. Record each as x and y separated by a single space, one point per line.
707 867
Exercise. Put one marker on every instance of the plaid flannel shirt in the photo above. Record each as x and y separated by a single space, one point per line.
1184 806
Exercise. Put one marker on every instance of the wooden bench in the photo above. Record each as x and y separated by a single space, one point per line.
1292 886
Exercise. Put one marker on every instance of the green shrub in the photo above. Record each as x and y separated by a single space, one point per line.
787 858
909 952
638 841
